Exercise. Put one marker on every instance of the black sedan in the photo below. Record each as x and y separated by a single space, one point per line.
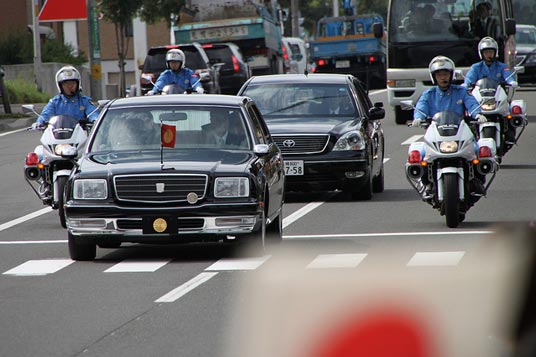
327 128
174 169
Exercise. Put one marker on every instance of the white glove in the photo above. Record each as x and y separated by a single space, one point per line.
150 93
37 126
200 90
514 84
416 122
480 118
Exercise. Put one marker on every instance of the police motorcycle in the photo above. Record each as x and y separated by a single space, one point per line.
48 167
175 88
451 156
501 111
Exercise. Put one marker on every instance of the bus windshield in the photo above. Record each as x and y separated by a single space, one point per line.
444 20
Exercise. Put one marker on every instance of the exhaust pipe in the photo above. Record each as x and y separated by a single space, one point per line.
414 171
32 173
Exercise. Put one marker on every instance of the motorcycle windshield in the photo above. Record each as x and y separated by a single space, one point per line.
173 89
62 126
447 122
487 87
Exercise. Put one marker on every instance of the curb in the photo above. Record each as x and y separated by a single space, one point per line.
9 124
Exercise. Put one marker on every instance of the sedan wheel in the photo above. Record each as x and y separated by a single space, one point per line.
79 251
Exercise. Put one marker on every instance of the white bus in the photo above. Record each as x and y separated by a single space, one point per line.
419 30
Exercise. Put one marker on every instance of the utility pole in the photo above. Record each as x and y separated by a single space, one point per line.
37 44
295 17
94 50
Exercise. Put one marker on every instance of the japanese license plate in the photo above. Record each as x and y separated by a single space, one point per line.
342 64
293 167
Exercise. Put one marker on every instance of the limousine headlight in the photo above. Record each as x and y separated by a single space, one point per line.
352 140
226 187
90 189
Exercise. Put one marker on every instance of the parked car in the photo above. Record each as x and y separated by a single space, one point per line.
323 150
196 59
295 55
235 70
151 174
526 52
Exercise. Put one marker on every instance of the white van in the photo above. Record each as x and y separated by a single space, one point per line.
295 54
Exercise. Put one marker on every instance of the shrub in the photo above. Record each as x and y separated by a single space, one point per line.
17 48
23 92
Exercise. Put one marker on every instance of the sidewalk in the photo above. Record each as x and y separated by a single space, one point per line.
9 124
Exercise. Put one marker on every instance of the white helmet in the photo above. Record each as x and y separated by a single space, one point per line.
68 73
488 43
175 55
439 63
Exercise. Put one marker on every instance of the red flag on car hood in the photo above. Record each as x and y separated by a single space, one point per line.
169 135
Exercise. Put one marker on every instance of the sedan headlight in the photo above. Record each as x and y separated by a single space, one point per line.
448 147
352 140
90 189
226 187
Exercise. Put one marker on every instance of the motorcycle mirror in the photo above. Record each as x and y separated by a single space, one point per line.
29 108
519 69
406 104
148 77
458 75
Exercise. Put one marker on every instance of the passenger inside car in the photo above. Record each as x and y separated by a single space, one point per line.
134 130
225 130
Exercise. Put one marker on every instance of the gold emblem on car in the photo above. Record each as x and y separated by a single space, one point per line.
192 198
159 225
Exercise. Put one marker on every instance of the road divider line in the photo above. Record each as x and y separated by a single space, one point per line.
412 139
10 242
394 234
301 212
24 218
185 288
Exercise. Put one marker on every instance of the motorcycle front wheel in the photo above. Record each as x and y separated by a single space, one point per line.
451 203
62 180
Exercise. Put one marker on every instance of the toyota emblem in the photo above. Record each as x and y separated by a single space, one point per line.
289 143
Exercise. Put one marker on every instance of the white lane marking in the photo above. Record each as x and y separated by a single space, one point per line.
39 267
435 259
137 266
394 234
238 264
300 213
12 132
10 242
24 218
323 261
185 288
412 139
385 159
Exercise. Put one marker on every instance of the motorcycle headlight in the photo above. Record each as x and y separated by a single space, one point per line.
226 187
60 148
90 189
448 147
352 140
489 105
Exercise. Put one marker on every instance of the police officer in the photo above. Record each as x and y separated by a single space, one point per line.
69 101
445 96
177 73
489 66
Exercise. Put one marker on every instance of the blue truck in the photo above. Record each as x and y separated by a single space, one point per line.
255 26
352 44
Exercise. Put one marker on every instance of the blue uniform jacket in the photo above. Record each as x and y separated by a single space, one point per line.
455 99
185 78
78 106
497 70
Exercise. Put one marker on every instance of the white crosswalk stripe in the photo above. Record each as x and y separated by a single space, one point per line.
436 259
238 264
336 261
39 267
137 266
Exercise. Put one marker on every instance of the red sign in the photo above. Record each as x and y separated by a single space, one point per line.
63 10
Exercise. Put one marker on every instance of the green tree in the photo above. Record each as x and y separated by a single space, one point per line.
155 10
120 13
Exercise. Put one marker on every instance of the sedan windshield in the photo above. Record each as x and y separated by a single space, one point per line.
184 127
299 100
